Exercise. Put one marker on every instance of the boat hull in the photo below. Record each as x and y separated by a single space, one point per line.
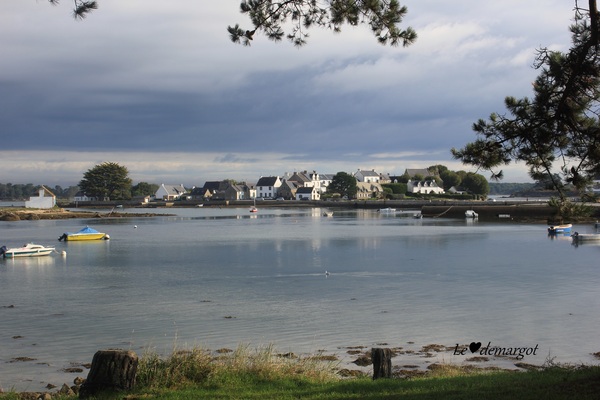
78 237
84 234
560 228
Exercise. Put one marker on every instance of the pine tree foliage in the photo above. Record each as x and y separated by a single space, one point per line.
81 8
557 129
271 17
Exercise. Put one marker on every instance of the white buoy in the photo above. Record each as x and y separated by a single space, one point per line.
135 226
63 253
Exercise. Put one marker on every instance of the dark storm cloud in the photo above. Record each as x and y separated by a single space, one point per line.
152 80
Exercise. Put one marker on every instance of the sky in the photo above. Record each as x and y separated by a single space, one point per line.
158 87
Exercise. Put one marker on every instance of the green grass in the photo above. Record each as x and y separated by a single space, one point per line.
264 374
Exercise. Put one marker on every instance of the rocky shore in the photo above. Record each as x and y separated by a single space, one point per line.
28 214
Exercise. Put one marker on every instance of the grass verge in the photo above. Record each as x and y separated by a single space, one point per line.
265 374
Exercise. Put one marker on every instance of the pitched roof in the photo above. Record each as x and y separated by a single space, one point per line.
267 181
174 189
213 186
367 173
418 171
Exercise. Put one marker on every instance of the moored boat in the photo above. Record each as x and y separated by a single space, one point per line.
86 233
387 210
27 250
253 209
563 228
585 237
471 214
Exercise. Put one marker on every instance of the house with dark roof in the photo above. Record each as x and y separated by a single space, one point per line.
267 186
308 193
200 193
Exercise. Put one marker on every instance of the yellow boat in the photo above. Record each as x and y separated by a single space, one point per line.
86 233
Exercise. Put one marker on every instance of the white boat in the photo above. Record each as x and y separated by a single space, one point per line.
27 250
328 214
387 210
471 214
585 237
253 209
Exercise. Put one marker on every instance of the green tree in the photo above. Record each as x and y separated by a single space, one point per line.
344 184
144 189
450 178
476 184
437 169
107 180
559 128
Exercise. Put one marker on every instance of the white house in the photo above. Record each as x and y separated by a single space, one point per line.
45 199
325 181
82 196
267 186
311 179
367 176
424 187
169 192
308 193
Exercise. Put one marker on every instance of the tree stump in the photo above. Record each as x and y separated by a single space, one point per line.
382 363
112 370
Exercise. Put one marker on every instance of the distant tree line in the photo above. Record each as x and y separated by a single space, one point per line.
498 188
9 191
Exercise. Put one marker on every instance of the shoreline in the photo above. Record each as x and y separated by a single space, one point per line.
408 361
528 212
26 214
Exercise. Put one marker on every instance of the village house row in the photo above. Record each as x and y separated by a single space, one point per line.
296 186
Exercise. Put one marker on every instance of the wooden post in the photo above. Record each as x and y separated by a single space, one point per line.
112 370
382 363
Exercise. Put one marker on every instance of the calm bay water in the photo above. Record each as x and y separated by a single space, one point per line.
220 277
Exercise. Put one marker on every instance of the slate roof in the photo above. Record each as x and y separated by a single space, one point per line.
267 181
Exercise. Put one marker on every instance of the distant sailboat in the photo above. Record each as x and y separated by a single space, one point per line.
253 209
